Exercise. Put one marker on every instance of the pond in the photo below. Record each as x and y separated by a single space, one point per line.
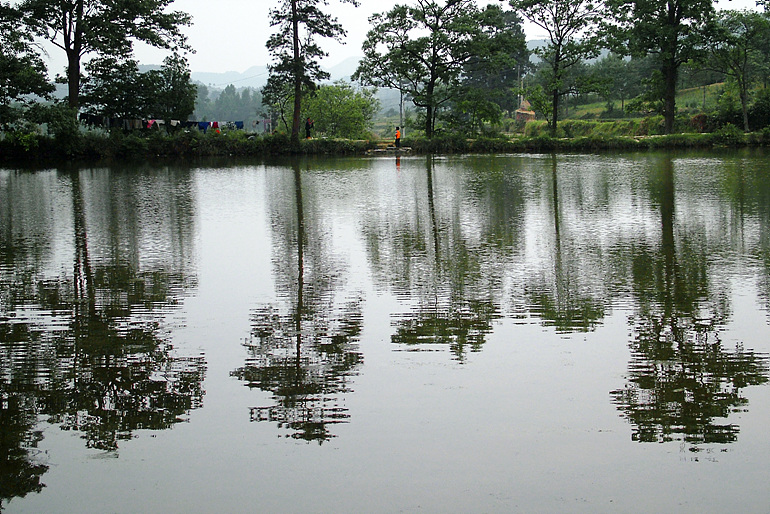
511 333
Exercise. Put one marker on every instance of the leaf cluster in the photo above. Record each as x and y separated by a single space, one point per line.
342 111
22 71
115 88
430 49
107 27
294 47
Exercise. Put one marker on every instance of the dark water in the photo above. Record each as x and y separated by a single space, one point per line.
572 333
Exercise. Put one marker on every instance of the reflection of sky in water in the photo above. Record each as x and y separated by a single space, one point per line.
537 410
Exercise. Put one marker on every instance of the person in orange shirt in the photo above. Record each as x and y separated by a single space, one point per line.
398 137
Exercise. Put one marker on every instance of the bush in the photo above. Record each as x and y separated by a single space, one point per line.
759 112
729 135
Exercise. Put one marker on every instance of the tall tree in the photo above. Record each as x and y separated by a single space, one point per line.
104 28
669 30
733 45
340 110
295 51
621 78
22 71
422 50
569 25
173 93
487 88
113 88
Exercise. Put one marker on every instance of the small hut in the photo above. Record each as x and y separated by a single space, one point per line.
524 112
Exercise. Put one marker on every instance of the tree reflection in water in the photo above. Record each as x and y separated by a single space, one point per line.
452 299
21 464
681 380
563 296
303 349
88 351
307 369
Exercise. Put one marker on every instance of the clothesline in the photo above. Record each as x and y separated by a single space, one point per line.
137 124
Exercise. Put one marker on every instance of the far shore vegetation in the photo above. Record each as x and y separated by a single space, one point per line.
573 135
457 77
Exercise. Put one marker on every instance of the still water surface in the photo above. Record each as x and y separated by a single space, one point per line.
572 333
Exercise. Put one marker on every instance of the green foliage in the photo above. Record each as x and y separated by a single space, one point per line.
598 129
489 82
342 111
671 31
734 41
728 135
104 28
296 53
22 71
540 102
231 105
18 144
129 145
334 146
729 106
535 128
115 88
570 28
759 112
62 126
471 111
424 51
443 143
621 78
170 92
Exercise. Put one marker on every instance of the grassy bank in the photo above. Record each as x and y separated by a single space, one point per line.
573 135
151 144
589 136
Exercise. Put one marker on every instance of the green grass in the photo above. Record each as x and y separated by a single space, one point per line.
687 101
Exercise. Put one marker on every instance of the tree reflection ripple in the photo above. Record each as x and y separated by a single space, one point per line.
303 348
89 349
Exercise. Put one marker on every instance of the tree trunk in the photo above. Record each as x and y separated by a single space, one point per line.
429 110
73 49
744 104
745 109
297 77
73 79
555 113
669 96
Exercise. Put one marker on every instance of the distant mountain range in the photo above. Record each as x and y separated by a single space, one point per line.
256 76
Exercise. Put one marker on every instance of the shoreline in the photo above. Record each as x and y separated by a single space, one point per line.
90 147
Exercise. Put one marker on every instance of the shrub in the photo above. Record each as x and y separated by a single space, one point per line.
728 135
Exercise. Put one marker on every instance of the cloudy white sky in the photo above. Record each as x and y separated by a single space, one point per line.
230 35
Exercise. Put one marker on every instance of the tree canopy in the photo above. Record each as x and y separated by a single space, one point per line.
104 28
173 93
733 45
22 71
340 110
569 25
423 50
116 88
668 30
295 50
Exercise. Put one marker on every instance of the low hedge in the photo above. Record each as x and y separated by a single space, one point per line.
584 136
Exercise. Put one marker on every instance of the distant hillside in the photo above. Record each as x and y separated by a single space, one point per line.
256 76
345 69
